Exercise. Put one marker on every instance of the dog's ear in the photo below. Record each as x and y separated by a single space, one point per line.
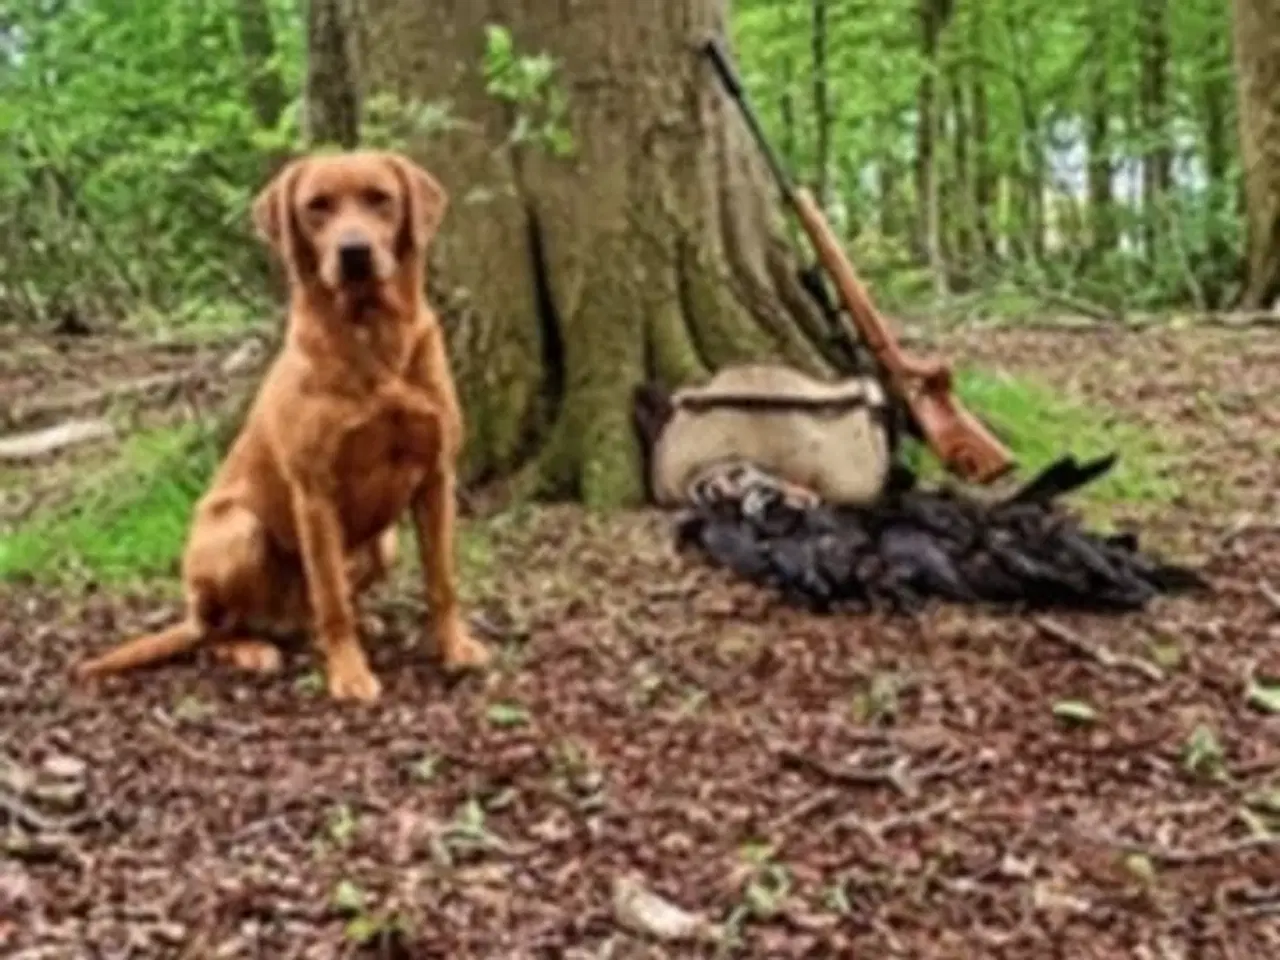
273 208
425 202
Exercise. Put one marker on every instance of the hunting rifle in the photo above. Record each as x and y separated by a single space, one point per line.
956 437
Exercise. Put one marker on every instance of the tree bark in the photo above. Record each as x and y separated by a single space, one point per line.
333 73
984 177
651 250
961 192
1222 267
1256 35
1101 204
1153 100
933 16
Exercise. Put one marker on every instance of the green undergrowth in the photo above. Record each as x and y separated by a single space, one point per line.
124 521
1040 424
127 522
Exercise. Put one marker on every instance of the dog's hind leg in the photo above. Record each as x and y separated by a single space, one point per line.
231 580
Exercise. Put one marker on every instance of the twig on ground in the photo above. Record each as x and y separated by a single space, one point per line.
1265 906
1242 319
1263 766
1181 857
35 444
75 401
28 816
1269 594
898 774
816 801
1246 524
1062 634
892 775
1095 311
875 830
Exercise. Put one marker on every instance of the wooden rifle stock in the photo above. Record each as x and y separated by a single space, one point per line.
956 436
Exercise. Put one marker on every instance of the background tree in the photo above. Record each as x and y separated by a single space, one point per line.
1257 27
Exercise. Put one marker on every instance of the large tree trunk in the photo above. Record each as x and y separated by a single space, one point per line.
1256 33
649 251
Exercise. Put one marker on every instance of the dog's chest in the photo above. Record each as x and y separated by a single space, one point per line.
381 464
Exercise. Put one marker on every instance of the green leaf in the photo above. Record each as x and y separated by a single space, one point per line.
1203 753
425 768
348 899
1076 711
1264 696
507 715
1257 824
1265 801
363 929
1140 865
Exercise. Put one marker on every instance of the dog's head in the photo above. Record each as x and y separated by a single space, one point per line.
350 224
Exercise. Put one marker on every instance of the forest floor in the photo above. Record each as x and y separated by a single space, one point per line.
961 785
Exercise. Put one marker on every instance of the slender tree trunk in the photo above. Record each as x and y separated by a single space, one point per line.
850 187
1101 205
648 251
961 191
1256 33
888 196
933 15
984 176
1157 160
264 85
822 119
333 73
1030 182
787 111
1216 112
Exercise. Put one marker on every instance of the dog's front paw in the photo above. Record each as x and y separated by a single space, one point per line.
459 650
350 678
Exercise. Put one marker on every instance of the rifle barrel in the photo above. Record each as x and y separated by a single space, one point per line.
733 86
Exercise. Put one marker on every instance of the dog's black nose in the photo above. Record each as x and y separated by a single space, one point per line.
355 258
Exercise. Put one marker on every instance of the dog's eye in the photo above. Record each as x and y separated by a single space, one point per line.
320 203
377 198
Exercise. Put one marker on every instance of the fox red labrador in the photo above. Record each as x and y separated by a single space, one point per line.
356 421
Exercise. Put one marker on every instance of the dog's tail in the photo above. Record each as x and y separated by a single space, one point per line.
142 651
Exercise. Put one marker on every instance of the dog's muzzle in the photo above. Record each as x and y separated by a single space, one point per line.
355 259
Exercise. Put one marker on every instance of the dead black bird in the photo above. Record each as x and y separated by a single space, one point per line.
915 544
